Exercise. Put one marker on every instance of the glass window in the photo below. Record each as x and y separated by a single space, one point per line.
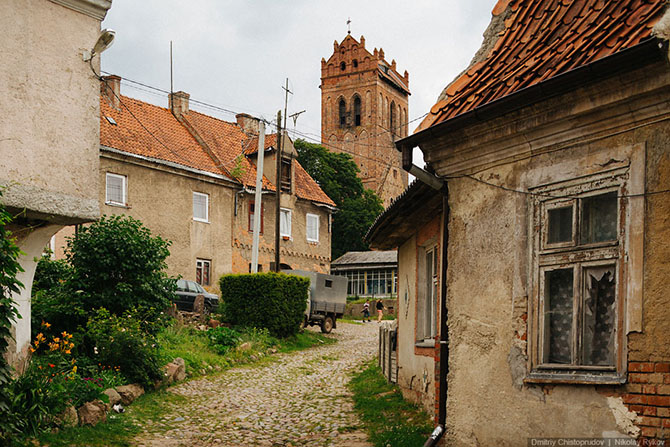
558 300
200 207
252 208
115 190
312 227
599 218
560 225
202 271
285 223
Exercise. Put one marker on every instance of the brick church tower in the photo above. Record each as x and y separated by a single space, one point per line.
363 110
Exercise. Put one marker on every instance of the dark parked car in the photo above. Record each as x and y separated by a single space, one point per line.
186 293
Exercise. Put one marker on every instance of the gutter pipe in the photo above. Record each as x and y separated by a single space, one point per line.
439 185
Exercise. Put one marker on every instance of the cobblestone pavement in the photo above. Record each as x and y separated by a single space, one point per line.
301 399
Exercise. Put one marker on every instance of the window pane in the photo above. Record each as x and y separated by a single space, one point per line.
599 315
115 189
558 302
200 206
599 218
559 225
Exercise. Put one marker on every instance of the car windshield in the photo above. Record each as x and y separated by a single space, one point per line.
199 288
181 284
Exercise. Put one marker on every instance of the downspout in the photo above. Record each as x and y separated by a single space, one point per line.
441 186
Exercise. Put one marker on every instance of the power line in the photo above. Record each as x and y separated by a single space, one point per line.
546 195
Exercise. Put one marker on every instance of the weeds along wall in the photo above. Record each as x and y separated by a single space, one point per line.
274 301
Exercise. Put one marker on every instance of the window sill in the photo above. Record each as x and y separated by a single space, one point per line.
312 242
575 378
200 220
117 205
425 344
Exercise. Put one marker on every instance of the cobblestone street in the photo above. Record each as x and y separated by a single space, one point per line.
300 399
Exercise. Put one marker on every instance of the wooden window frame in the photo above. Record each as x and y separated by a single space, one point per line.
199 271
578 256
250 214
290 217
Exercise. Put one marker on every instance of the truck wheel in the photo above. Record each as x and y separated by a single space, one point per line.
327 325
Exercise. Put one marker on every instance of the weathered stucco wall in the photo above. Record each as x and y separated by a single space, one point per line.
416 371
296 251
50 110
49 131
163 200
597 128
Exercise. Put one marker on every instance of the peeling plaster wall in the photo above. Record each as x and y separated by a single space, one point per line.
490 264
416 377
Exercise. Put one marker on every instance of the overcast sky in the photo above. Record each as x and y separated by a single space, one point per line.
238 54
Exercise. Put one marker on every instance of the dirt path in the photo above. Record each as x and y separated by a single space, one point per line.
299 400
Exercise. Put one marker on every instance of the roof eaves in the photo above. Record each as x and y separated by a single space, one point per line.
649 51
168 163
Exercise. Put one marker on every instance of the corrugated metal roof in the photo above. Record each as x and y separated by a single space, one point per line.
366 257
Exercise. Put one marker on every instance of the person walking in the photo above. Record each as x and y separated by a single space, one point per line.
366 311
380 310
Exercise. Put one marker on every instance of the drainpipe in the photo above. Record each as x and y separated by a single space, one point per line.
439 185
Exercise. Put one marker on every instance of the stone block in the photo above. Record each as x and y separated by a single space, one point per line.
129 393
91 413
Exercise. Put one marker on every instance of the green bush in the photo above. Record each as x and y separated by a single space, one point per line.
49 273
222 339
9 267
120 343
117 264
274 301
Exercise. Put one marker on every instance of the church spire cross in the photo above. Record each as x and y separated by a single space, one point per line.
349 25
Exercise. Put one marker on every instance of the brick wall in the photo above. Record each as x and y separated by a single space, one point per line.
647 393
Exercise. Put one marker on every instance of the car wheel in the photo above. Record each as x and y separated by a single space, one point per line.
327 325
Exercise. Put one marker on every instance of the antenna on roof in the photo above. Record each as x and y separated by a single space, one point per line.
295 117
171 80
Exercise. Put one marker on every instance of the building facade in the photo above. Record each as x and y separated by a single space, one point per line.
50 130
370 274
190 178
364 109
554 316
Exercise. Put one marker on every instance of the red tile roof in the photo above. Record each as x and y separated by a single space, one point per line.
541 39
172 142
251 147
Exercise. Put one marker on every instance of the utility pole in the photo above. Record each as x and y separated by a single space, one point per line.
278 192
280 138
258 200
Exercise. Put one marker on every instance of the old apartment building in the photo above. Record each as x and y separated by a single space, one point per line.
49 127
363 111
533 273
190 178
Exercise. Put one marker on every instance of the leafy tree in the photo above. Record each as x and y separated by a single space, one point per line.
358 207
9 268
117 264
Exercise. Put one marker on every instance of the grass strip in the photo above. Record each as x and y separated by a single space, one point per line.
387 417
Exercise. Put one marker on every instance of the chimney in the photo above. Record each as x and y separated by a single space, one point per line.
110 88
178 102
248 123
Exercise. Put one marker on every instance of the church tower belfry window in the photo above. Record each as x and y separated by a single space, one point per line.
357 110
343 113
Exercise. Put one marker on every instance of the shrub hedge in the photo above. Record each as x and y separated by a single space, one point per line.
274 301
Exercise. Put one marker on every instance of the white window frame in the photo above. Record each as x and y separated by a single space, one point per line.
315 217
579 256
206 196
124 189
282 229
